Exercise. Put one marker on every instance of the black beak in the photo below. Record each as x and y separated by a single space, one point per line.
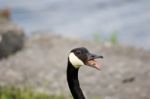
91 56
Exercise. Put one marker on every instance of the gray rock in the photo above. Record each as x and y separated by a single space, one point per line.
11 38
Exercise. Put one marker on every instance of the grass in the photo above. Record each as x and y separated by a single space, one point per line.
25 93
11 92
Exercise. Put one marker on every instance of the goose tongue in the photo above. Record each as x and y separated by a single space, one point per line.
93 63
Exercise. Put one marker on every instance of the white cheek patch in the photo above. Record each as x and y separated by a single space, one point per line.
75 61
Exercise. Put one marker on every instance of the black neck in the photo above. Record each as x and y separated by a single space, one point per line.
73 82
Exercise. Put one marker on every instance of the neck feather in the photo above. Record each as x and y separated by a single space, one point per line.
73 82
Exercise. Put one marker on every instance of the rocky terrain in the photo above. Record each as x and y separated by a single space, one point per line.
43 60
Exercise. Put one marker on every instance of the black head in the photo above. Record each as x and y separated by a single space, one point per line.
81 56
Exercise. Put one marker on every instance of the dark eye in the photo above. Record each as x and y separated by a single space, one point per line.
78 52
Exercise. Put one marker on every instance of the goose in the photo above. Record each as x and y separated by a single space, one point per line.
79 57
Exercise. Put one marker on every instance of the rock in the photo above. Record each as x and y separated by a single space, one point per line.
11 38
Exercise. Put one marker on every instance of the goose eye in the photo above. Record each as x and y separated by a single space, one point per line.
78 52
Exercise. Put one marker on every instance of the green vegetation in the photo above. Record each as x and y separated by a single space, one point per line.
25 93
10 92
114 38
98 38
96 97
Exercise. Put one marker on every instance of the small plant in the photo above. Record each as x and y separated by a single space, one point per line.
114 38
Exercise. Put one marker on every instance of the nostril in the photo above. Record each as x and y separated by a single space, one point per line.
101 57
92 56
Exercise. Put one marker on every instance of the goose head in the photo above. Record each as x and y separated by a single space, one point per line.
81 56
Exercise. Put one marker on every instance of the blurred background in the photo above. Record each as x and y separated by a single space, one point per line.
129 19
37 35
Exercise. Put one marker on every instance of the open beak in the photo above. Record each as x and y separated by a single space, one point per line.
92 62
